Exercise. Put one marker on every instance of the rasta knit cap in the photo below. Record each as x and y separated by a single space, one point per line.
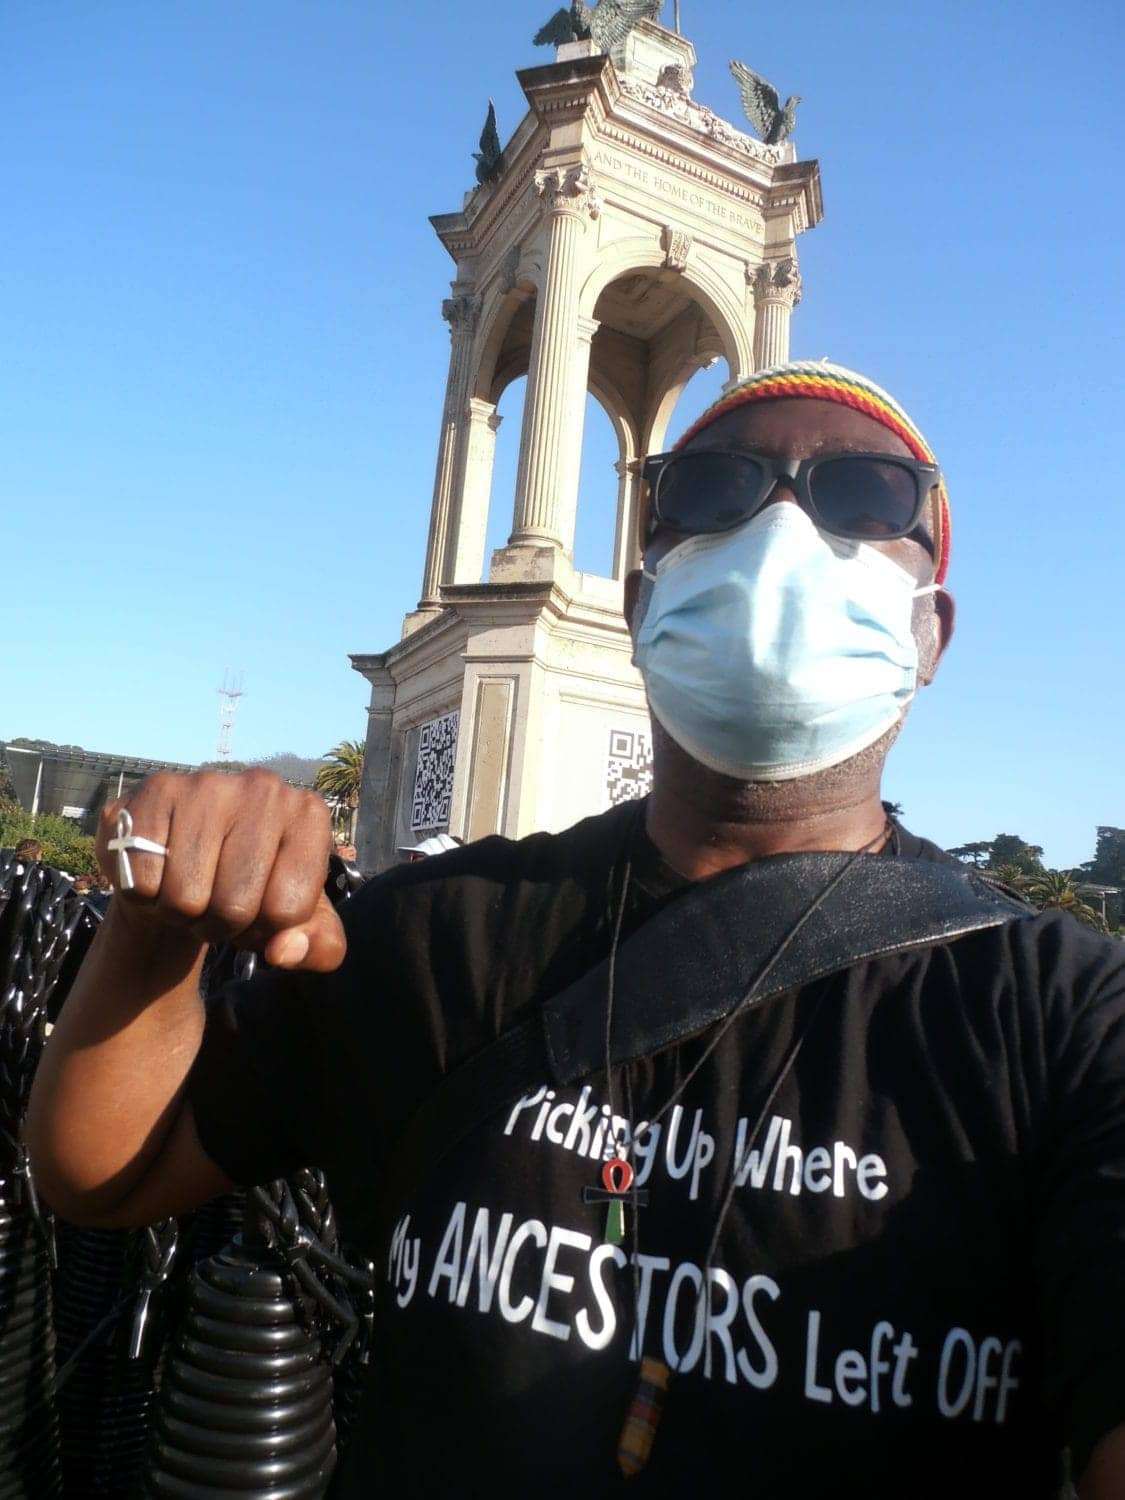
827 382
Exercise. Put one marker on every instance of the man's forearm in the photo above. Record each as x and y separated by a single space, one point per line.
110 1084
239 859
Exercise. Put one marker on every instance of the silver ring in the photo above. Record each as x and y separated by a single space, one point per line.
125 842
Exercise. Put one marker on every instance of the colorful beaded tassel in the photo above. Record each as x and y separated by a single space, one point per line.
639 1432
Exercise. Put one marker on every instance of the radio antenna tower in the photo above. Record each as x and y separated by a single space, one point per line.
229 695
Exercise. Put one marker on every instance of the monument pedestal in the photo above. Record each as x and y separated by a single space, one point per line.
631 238
516 709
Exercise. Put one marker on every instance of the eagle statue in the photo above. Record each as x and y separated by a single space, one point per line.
607 23
773 121
490 156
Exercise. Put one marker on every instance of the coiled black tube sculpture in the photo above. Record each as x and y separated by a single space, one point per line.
38 920
272 1332
246 1399
29 1446
89 1283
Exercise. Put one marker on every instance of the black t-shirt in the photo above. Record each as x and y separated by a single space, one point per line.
920 1286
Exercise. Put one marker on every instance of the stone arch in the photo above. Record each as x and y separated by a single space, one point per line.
616 409
623 424
513 291
502 309
707 289
655 438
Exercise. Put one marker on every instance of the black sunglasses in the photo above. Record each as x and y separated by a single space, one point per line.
861 496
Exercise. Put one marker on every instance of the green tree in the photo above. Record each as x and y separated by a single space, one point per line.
1055 890
974 854
1006 849
1108 864
1010 849
63 846
302 769
340 779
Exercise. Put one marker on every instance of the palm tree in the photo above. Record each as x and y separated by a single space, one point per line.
339 781
1055 889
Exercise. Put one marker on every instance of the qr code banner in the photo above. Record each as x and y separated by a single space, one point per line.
628 765
433 780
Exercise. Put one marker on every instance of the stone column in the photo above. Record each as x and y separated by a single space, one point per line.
374 810
626 548
461 313
574 427
777 290
547 486
479 452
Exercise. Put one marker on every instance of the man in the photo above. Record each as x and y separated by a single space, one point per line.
874 1234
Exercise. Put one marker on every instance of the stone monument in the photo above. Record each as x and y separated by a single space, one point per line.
629 237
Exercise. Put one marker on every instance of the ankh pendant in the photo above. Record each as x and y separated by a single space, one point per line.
617 1178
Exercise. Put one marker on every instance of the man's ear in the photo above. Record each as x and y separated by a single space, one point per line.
632 589
933 632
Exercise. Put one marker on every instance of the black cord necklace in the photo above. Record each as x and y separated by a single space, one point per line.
618 1177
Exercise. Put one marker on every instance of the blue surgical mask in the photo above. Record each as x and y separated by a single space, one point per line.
775 650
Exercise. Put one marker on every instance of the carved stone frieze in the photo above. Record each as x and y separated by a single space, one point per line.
569 191
677 79
745 202
776 281
675 103
676 244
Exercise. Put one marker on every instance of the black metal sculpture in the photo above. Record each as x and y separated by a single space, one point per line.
490 157
607 23
38 919
178 1361
246 1399
773 121
29 1437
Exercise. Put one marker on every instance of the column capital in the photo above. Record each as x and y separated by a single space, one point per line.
587 327
480 411
461 313
569 191
776 281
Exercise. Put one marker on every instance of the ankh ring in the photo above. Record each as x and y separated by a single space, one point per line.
127 842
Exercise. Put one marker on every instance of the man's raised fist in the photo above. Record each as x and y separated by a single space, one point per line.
245 863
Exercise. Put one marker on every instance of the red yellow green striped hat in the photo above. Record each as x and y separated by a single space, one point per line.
828 382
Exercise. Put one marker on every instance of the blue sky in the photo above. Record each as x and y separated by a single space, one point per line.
223 359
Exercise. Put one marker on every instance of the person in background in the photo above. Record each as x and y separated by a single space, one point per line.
438 843
28 852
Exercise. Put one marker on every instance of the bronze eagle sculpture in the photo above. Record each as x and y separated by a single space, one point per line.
773 121
490 156
608 22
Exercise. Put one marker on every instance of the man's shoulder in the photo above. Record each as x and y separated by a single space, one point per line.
1046 966
576 855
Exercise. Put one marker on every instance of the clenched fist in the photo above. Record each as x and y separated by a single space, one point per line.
247 857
